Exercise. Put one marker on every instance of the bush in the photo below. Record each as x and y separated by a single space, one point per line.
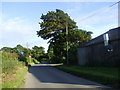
9 61
13 70
72 56
31 61
35 61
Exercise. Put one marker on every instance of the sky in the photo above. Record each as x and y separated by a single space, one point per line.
19 20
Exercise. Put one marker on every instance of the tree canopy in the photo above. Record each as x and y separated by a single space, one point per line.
62 32
54 24
37 52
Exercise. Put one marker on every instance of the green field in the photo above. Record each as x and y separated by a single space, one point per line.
103 75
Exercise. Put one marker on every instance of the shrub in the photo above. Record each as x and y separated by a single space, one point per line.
9 61
13 70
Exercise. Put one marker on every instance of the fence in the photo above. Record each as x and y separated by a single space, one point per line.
103 50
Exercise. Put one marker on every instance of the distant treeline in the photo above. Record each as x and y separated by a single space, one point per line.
25 54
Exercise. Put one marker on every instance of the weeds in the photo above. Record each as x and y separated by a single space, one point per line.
13 70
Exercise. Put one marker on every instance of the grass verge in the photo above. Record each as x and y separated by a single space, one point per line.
104 75
14 78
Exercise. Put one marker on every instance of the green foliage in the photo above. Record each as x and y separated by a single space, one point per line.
54 25
78 35
63 34
13 71
50 53
20 49
9 61
75 38
35 61
31 61
53 28
13 65
37 52
28 60
72 56
7 49
24 53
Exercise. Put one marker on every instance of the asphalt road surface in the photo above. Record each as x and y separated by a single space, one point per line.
46 76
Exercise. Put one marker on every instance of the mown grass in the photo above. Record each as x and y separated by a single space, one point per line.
104 75
13 70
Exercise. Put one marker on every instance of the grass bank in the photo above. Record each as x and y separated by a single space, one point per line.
15 78
104 75
13 71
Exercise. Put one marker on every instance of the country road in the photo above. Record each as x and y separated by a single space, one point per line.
46 76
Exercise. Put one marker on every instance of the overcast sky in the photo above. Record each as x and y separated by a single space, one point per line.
19 20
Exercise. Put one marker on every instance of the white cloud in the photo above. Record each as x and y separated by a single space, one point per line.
20 31
18 25
104 15
98 21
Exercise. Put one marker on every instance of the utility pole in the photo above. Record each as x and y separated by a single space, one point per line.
67 41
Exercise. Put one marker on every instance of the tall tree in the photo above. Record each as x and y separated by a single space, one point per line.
62 32
53 28
54 24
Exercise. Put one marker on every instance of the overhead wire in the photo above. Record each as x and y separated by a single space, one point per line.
96 13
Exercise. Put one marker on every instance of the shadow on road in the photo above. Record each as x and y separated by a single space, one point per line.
49 74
